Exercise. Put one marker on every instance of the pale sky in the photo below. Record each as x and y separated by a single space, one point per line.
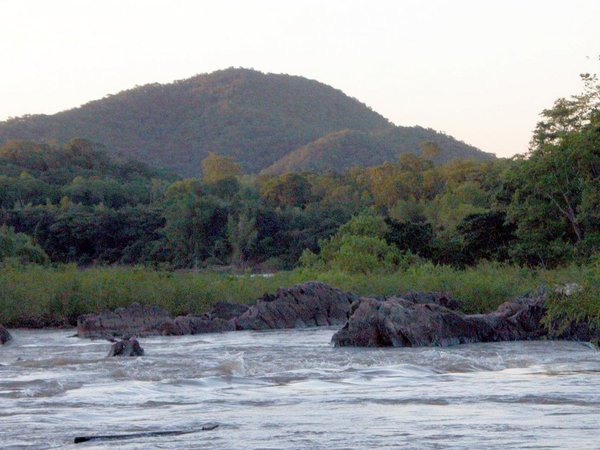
479 70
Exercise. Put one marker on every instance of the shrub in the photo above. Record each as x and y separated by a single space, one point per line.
20 248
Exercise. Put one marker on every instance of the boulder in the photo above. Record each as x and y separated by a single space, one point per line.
4 335
399 322
126 347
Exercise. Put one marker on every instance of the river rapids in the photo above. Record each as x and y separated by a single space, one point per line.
292 389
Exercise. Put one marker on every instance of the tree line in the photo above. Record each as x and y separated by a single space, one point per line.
76 204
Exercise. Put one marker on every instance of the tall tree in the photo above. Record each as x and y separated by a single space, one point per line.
242 236
557 184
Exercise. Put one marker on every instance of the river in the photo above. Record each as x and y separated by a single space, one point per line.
291 389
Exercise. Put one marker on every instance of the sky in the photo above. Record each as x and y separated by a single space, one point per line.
481 71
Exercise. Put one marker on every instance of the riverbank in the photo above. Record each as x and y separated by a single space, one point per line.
37 297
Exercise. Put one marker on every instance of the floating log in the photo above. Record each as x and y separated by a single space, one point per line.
114 437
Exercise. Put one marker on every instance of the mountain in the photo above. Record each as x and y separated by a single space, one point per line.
262 120
343 149
256 118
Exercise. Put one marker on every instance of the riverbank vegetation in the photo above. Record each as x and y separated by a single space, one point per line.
81 231
36 296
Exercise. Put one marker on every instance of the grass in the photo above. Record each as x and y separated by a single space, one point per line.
582 305
35 296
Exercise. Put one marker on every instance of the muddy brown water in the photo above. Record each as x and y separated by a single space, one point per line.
291 389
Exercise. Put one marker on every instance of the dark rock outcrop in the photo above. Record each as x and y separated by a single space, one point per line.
398 322
304 305
126 347
439 298
200 324
138 320
4 335
134 320
228 311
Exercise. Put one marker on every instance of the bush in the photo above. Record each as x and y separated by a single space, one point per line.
358 247
20 248
363 254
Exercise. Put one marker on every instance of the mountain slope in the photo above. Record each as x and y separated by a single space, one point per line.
343 149
261 120
256 118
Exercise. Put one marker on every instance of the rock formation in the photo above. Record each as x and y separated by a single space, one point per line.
134 320
126 347
403 322
4 335
304 305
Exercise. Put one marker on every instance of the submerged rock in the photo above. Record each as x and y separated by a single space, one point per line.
4 335
304 305
398 322
126 347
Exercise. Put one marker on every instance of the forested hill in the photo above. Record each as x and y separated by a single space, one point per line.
340 150
254 117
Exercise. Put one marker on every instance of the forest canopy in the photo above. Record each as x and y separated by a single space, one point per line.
76 203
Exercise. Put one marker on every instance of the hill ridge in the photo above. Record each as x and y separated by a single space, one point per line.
257 118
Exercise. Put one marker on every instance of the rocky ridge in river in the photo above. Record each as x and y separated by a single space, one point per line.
304 305
403 322
407 320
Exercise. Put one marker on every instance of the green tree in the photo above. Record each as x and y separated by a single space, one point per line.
413 237
486 236
242 236
454 204
556 185
195 222
365 224
20 247
357 247
290 189
216 168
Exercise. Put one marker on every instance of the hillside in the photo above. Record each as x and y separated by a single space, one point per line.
343 149
254 117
